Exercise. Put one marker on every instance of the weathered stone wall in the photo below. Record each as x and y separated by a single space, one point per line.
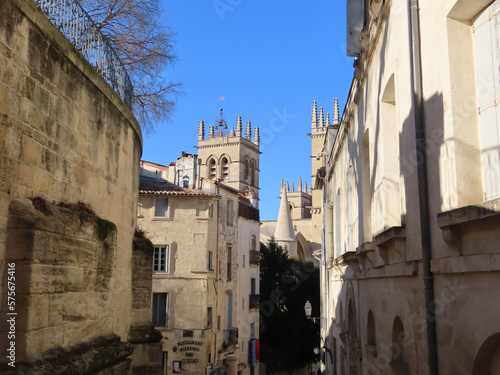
67 137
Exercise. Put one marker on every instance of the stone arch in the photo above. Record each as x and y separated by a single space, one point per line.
488 357
302 247
352 339
400 346
212 168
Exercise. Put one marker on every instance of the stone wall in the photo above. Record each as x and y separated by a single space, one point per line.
65 136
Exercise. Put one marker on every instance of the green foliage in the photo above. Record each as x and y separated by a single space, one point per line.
287 337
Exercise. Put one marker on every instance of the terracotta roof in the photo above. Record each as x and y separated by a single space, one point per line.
154 165
149 186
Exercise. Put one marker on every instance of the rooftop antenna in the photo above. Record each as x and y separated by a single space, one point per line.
221 123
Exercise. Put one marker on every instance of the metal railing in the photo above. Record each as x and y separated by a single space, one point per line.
77 26
254 257
217 370
231 336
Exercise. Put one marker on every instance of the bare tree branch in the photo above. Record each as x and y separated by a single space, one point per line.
139 32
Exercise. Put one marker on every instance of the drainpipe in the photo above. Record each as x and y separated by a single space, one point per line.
422 186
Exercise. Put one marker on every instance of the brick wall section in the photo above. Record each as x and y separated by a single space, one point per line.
65 136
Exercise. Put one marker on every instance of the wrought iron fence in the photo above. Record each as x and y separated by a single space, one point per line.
74 22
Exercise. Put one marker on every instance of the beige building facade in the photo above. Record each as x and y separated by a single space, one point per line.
201 213
410 193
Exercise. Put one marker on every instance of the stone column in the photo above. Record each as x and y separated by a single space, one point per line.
232 364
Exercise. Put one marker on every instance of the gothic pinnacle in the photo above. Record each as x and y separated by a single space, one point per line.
314 117
248 133
201 131
335 111
327 119
211 132
256 138
238 126
300 184
321 118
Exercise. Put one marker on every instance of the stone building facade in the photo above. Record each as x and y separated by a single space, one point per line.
201 215
69 151
410 203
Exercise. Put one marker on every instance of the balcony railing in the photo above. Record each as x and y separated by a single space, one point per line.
77 26
254 257
231 336
218 370
254 301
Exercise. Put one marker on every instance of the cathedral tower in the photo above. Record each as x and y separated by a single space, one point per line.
231 156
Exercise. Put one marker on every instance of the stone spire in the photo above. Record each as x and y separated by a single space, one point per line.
327 119
211 132
335 111
321 117
305 187
256 138
300 184
293 187
284 233
201 131
314 117
248 132
238 126
232 133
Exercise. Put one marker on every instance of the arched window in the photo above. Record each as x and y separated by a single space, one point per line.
350 210
252 173
371 335
225 169
246 172
212 169
400 343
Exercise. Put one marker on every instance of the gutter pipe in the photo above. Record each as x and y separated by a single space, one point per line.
423 187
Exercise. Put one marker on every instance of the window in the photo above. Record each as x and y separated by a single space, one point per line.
242 304
371 338
246 171
160 305
486 31
209 316
160 259
212 169
225 169
252 173
230 217
243 266
218 322
229 264
367 190
161 205
210 261
338 225
253 242
210 210
252 330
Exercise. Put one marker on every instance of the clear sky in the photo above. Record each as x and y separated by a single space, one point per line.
269 60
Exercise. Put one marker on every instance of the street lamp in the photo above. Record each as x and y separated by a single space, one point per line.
308 310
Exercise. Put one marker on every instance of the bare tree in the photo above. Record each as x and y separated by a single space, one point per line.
139 32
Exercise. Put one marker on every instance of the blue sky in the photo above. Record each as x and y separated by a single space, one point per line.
269 61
